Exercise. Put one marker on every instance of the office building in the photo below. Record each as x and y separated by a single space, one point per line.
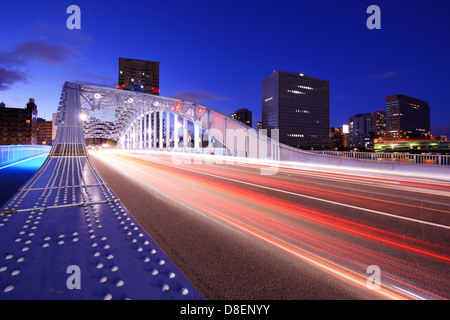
338 139
359 135
139 75
299 107
378 124
44 132
407 117
18 125
243 115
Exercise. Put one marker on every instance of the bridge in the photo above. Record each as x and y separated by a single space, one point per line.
68 219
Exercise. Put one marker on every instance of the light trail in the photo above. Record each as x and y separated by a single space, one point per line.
338 246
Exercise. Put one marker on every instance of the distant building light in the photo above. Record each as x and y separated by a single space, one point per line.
345 128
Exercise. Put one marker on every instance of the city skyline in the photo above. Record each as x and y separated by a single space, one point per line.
217 55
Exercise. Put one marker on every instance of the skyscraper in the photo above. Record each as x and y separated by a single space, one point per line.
407 117
18 126
44 131
299 106
359 131
139 75
243 115
378 124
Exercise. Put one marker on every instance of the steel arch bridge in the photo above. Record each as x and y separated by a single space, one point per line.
142 121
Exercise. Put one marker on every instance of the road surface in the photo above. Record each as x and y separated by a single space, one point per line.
248 231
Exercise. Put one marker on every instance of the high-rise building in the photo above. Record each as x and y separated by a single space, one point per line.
139 75
243 115
44 131
337 139
359 134
378 124
299 107
18 125
407 117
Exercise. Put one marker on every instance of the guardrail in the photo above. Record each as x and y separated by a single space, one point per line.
434 159
12 153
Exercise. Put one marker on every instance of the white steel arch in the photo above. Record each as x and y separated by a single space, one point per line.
125 117
142 121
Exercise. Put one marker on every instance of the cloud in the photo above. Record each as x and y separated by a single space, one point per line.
10 76
41 50
198 96
13 60
387 74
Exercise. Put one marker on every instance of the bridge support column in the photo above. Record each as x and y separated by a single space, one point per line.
167 130
185 135
197 140
135 136
176 137
140 130
145 131
160 130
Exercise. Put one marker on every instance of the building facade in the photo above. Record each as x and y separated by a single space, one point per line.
359 131
378 124
338 139
243 115
139 75
18 125
407 117
44 132
299 107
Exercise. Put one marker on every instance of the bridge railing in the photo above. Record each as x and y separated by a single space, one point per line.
433 159
13 153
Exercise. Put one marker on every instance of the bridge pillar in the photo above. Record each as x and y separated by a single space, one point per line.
175 132
160 130
197 145
145 131
140 132
185 135
167 130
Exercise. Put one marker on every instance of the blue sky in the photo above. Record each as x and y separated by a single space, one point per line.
217 52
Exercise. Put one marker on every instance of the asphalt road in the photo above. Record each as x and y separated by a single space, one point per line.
247 231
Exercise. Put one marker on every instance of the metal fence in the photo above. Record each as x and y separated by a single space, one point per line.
434 159
9 154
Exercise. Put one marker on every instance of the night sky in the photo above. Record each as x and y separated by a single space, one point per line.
218 52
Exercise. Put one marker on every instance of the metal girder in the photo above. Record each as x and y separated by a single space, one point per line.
111 113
